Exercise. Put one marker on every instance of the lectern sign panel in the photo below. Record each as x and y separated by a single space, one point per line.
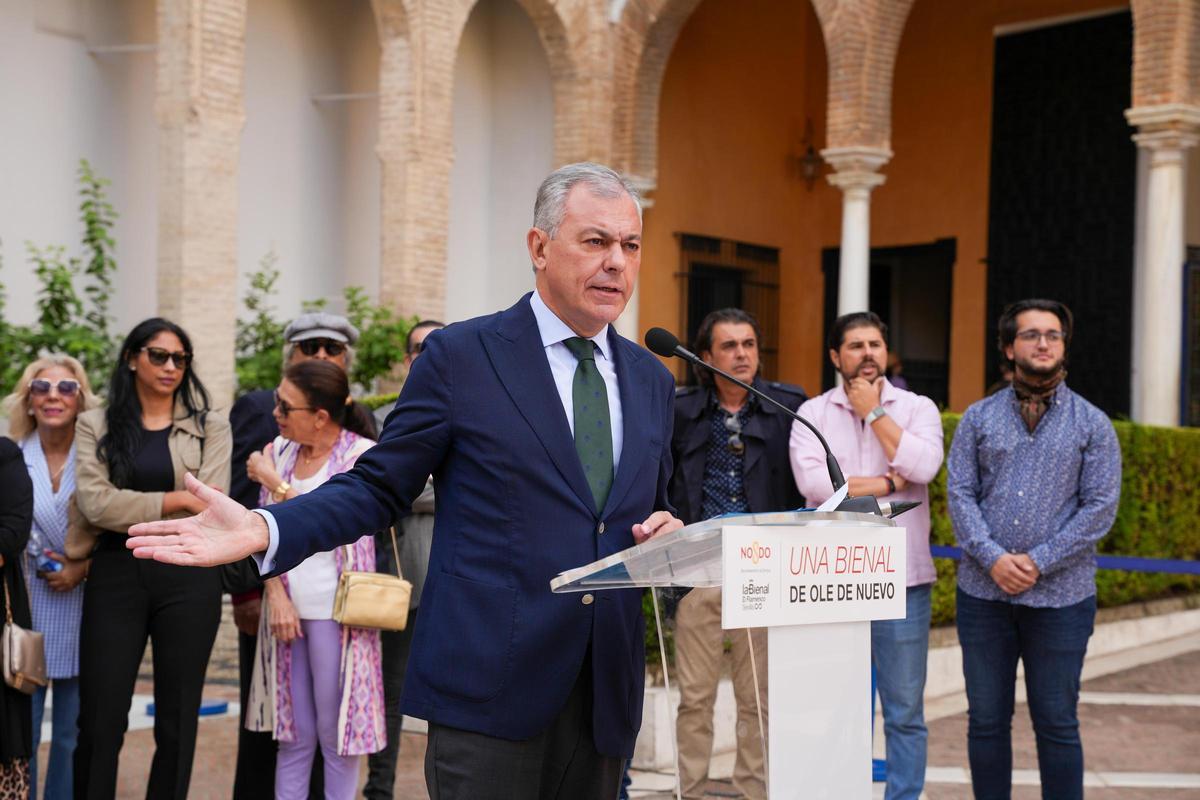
798 575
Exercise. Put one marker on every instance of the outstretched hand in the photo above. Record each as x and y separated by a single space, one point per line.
223 533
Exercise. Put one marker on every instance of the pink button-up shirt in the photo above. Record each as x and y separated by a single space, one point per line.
860 454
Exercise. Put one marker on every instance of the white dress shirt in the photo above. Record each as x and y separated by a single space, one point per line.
554 333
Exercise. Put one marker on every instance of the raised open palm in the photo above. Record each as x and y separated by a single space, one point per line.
223 533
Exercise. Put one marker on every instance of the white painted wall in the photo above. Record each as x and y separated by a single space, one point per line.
58 104
503 148
308 177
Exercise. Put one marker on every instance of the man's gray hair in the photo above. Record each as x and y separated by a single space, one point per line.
600 180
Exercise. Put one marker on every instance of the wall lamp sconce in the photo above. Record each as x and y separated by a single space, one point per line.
808 164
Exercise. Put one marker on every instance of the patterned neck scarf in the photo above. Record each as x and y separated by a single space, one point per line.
1034 393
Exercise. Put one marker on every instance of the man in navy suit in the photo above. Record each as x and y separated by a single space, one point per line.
548 436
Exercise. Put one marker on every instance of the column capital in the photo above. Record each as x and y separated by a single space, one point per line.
644 187
1171 126
856 167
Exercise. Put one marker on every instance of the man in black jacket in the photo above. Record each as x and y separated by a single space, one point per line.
731 455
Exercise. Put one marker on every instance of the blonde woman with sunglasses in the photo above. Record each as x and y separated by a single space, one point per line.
51 393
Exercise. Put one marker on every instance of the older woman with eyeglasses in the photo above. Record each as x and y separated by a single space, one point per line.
320 684
131 460
42 409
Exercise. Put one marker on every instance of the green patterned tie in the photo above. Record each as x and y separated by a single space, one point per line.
593 427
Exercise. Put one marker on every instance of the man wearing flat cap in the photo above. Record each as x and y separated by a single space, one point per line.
316 335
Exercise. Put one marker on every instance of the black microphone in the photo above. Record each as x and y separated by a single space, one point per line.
664 343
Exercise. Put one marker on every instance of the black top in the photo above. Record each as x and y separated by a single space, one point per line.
153 471
16 514
152 467
766 469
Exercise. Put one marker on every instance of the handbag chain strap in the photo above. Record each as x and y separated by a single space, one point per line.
7 600
395 552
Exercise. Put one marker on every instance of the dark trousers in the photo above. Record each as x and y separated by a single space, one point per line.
1051 642
254 778
255 774
126 601
381 766
559 764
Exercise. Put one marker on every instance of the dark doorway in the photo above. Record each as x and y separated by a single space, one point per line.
911 292
1061 205
722 273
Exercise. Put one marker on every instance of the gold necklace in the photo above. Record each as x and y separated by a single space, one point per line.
311 458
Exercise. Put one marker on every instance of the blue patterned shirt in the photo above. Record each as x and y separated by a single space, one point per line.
1052 494
55 614
724 492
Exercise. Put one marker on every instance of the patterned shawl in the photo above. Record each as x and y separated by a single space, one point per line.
361 725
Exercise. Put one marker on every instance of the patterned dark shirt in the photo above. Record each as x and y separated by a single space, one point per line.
1052 494
723 491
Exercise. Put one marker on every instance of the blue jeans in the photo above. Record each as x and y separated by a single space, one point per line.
1052 643
63 721
899 650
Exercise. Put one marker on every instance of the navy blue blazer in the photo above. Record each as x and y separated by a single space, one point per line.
494 650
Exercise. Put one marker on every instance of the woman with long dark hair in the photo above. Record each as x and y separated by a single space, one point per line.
131 460
319 684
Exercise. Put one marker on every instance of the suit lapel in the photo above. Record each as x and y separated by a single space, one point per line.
515 349
637 412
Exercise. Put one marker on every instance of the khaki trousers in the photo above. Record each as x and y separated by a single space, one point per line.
699 647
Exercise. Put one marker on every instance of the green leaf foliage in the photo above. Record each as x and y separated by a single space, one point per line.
73 299
259 359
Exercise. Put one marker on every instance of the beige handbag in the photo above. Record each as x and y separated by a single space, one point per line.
22 651
373 599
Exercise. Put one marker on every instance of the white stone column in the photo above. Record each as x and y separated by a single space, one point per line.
856 175
1164 133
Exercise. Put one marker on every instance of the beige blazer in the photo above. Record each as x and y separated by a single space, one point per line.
204 452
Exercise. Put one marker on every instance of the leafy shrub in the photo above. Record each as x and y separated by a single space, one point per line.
73 301
259 357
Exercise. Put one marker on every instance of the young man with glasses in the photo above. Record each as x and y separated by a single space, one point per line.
731 455
316 335
1034 480
889 443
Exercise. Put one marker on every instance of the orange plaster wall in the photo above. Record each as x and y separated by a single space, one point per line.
742 79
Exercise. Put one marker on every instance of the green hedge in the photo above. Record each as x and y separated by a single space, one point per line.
1158 517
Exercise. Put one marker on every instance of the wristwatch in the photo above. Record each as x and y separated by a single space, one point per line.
876 413
281 490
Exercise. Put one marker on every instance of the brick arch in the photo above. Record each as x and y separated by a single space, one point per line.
646 33
561 39
861 40
1166 52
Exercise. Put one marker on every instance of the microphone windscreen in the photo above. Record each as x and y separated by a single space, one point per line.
661 342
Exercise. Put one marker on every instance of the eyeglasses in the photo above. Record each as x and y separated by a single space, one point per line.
735 443
1051 337
310 347
40 387
286 408
158 356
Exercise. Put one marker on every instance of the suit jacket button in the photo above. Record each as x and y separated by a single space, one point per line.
587 599
600 527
